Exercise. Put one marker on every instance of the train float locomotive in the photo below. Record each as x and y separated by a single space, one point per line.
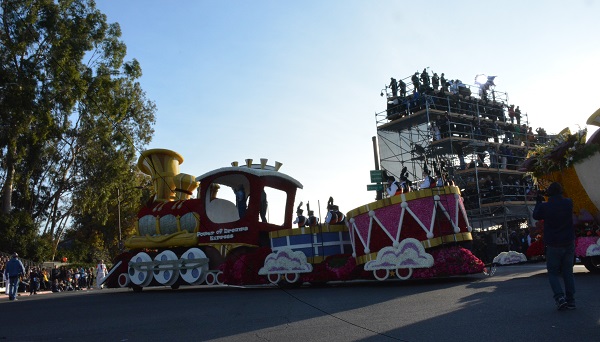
181 240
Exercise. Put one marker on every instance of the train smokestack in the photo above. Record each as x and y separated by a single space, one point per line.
162 165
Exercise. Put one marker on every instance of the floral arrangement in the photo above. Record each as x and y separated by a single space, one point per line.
536 248
449 261
243 269
342 266
561 152
335 267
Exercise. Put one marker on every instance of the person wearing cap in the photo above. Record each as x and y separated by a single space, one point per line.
312 219
14 271
559 238
334 216
300 219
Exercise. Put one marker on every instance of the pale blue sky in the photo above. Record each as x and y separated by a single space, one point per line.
299 81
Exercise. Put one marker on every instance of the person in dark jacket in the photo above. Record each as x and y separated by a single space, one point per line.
14 271
559 238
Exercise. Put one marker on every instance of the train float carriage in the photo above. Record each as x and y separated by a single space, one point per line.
182 240
395 236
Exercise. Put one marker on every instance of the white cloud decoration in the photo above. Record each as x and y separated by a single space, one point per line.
410 253
285 261
593 249
508 258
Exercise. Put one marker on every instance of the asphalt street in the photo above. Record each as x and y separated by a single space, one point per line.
515 304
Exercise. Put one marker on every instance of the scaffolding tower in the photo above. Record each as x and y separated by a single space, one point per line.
463 132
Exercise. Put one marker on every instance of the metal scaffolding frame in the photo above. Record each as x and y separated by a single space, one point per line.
471 134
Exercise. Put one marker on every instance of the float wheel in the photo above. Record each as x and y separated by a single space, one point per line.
211 278
123 280
140 276
292 277
274 278
592 263
381 274
404 273
166 274
220 278
195 275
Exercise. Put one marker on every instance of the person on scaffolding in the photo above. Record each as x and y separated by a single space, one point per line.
435 81
394 86
402 86
425 79
415 82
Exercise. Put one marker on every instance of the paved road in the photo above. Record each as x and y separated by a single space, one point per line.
515 304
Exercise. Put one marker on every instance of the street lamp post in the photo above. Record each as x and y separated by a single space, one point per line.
119 213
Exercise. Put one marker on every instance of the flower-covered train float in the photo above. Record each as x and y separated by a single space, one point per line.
573 162
212 239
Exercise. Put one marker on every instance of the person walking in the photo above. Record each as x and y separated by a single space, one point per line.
559 239
100 273
14 271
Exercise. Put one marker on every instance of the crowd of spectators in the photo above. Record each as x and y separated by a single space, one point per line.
482 116
488 244
493 189
54 279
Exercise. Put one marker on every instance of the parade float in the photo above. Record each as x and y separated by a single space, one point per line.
182 240
574 162
423 231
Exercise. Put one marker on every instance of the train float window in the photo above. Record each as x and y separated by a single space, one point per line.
274 210
221 203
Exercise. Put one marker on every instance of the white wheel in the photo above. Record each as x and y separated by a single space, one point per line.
220 278
123 280
274 278
194 266
166 272
211 278
292 277
406 276
381 274
140 275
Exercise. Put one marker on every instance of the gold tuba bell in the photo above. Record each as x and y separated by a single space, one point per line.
162 165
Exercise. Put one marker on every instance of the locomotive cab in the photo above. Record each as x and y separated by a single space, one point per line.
234 204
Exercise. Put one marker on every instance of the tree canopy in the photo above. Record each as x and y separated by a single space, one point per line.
73 118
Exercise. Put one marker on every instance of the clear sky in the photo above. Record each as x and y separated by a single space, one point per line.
299 81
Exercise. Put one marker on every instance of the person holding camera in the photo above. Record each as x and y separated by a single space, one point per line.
559 239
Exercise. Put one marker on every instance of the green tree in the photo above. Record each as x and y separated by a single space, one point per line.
73 118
